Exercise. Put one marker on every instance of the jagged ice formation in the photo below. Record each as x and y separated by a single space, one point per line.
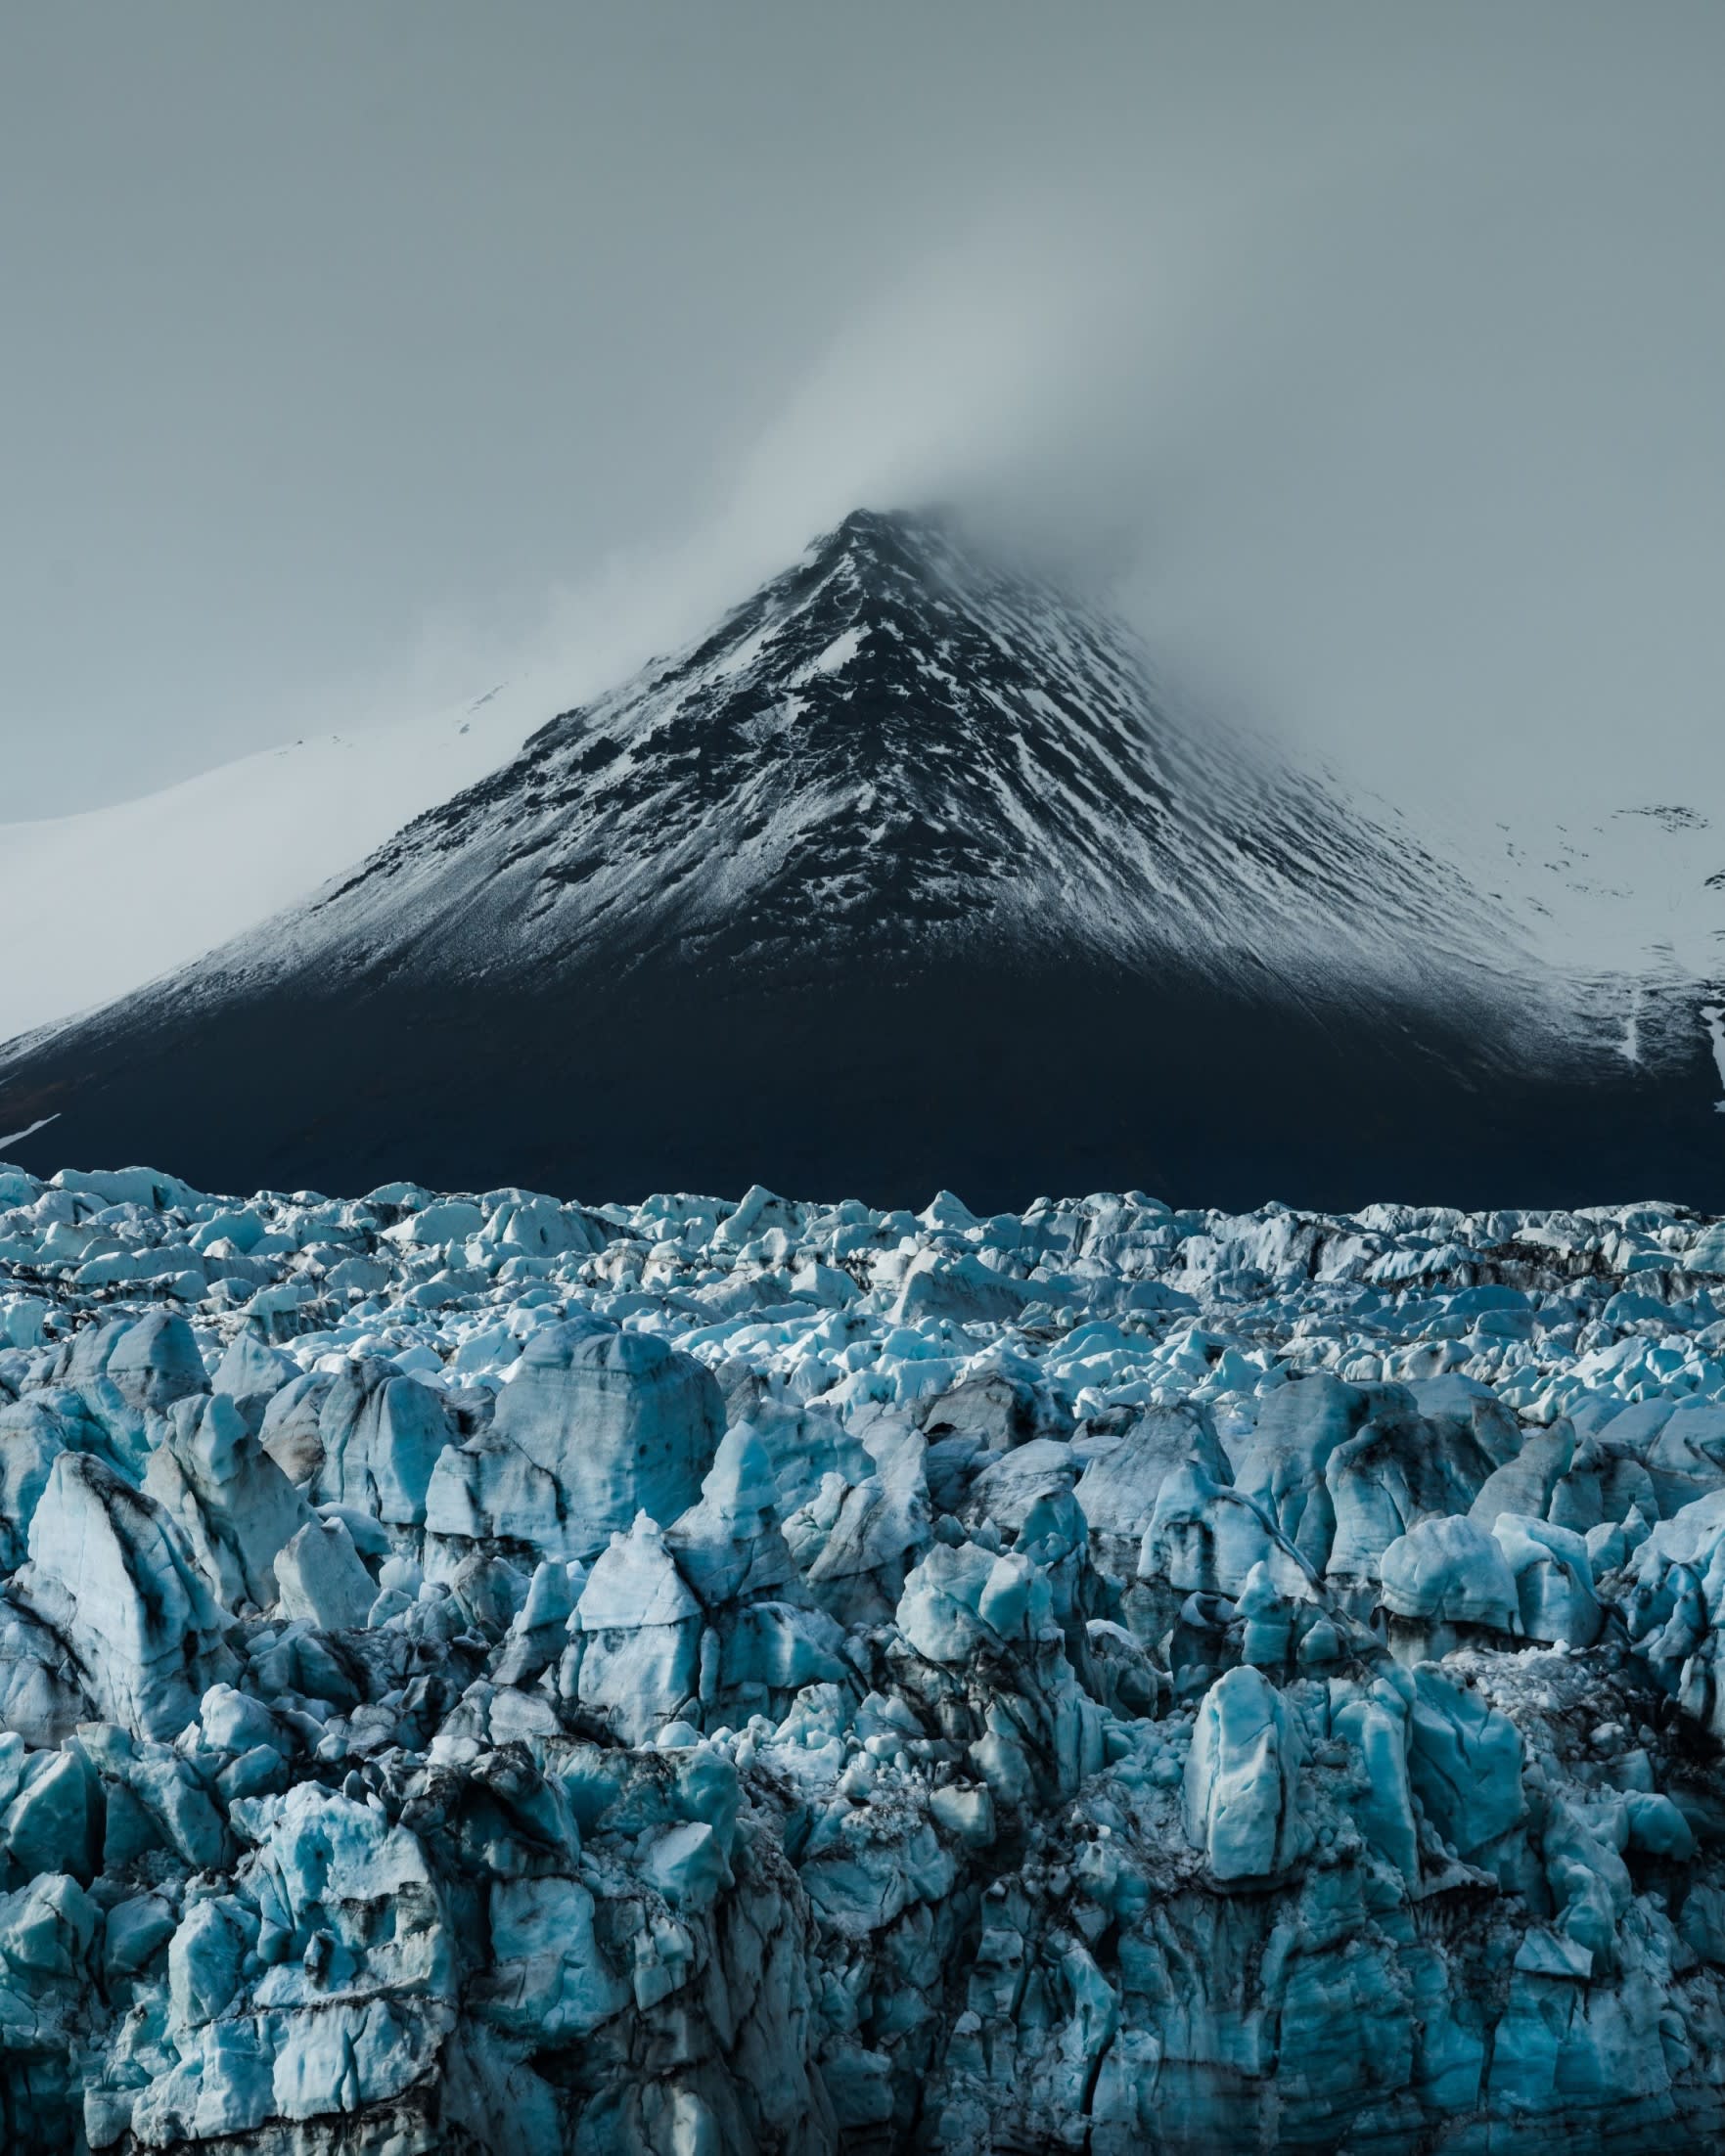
485 1674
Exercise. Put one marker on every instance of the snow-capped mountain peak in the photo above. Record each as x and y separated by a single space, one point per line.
895 743
906 873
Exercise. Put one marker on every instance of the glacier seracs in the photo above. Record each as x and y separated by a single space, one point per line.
485 1673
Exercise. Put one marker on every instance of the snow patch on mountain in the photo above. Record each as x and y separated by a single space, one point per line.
1623 903
1635 890
97 903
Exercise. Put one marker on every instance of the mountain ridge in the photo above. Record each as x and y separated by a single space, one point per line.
917 841
881 752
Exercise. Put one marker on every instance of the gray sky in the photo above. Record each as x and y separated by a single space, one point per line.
355 357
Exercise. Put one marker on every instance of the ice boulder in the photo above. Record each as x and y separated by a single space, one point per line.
528 1225
49 1951
320 1988
758 1212
1706 1254
1205 1537
1446 1573
487 1490
1397 1470
1603 1483
250 1373
322 1577
1462 1407
154 1363
538 1628
962 1598
323 1862
621 1420
551 1980
1553 1579
855 1543
154 1799
452 1221
148 1188
997 1407
113 1574
233 1504
1009 1487
687 1864
728 1545
1464 1763
20 1321
1119 1489
127 1370
1241 1801
1685 1456
381 1434
963 1288
1527 1483
50 1814
1277 1620
31 1439
1588 1879
41 1698
1376 1720
769 1650
636 1659
1299 1425
289 1428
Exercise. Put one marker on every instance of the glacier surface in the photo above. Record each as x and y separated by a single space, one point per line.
488 1674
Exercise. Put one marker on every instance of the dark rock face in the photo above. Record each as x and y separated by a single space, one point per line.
903 877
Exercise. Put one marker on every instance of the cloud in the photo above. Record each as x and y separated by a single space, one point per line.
1373 355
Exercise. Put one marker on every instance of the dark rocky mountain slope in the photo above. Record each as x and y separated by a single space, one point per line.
905 877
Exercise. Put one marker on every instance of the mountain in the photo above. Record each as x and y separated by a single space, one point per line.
906 876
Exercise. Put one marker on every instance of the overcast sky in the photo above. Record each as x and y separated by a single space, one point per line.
354 357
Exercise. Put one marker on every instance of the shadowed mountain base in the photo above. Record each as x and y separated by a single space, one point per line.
996 1081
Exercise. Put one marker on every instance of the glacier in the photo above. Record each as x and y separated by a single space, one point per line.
486 1673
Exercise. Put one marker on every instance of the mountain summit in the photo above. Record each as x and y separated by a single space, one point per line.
892 749
904 876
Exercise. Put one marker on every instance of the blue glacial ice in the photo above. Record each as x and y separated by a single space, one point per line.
702 1677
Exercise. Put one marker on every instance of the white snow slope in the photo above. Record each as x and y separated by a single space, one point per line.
96 904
